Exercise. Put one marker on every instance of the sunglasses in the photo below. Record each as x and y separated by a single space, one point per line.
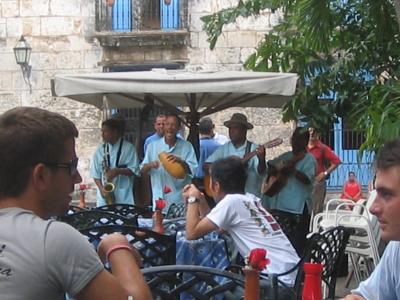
72 166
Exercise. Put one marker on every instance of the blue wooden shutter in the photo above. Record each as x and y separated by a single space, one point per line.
122 15
170 15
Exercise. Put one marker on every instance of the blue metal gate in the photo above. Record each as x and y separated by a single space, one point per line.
343 142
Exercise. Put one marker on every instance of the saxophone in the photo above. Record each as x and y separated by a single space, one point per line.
108 186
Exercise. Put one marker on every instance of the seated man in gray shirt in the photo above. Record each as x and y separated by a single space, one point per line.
384 282
41 258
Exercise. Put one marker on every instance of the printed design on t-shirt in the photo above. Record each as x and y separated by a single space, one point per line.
257 218
272 222
4 271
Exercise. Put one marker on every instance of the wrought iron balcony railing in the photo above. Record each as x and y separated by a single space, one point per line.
138 15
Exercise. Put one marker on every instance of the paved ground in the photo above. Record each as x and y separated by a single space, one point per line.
341 290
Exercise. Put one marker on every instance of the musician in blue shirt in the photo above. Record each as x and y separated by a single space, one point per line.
239 146
181 151
114 161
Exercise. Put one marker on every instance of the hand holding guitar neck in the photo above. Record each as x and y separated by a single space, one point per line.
260 151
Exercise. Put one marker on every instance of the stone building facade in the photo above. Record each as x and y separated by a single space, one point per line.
68 37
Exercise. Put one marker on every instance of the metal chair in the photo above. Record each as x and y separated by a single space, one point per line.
74 209
176 211
155 249
287 223
326 248
172 226
363 243
91 218
195 282
126 210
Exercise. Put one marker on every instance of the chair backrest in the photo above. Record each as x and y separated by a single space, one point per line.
288 224
91 218
74 209
126 210
194 282
156 249
172 226
176 211
326 248
371 199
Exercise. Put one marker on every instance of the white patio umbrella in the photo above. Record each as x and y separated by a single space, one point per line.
203 92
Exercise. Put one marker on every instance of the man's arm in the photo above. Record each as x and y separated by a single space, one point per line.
353 297
147 167
99 185
126 278
196 226
262 167
303 178
334 160
114 172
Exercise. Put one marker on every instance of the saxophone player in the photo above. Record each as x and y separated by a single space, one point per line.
115 162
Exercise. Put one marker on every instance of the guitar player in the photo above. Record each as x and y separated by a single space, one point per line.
241 147
293 200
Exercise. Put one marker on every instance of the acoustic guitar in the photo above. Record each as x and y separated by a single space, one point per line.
277 175
271 144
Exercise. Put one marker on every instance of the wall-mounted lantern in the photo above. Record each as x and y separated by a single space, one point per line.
22 52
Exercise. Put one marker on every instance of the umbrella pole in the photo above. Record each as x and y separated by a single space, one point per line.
193 119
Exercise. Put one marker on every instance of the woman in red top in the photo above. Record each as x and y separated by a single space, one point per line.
351 188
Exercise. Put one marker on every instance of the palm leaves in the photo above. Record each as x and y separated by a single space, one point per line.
340 48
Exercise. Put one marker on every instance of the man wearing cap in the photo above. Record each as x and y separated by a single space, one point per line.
241 147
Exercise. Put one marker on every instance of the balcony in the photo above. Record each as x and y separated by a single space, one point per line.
138 23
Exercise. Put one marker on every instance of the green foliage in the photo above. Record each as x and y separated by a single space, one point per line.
340 49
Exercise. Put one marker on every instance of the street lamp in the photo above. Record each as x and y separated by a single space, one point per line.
22 52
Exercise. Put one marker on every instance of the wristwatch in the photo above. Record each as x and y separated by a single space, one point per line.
326 173
192 199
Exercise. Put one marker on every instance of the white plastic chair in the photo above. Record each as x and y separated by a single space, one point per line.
334 208
363 243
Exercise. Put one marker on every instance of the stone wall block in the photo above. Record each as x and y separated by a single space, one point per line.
57 26
196 24
153 54
245 53
88 27
223 55
8 101
36 79
7 61
88 8
14 27
44 60
69 60
78 43
261 22
242 39
221 4
9 9
5 80
59 8
174 54
221 42
85 117
91 59
199 6
30 27
77 26
3 29
34 8
196 56
194 39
